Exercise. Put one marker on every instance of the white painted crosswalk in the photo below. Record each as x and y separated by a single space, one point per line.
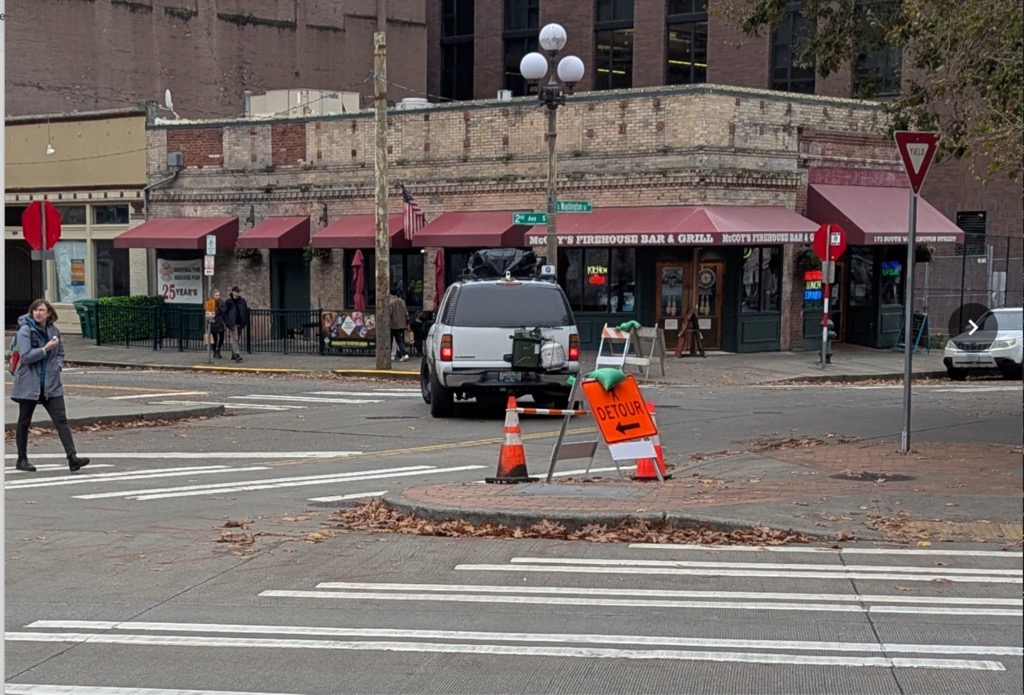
281 402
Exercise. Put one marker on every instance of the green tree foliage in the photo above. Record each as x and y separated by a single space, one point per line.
962 65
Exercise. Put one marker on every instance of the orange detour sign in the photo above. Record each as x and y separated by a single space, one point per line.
621 413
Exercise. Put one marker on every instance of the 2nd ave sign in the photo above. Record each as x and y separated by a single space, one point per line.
621 413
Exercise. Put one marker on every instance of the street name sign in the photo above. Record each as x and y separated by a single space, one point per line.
573 206
621 413
529 218
917 149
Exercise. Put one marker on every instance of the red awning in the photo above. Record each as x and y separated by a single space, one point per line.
680 225
484 229
359 232
180 233
277 233
875 215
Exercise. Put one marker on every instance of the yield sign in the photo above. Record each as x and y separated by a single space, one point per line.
621 413
917 150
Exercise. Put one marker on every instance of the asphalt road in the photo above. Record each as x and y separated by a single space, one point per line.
138 573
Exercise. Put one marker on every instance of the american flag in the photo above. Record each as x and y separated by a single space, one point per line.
413 217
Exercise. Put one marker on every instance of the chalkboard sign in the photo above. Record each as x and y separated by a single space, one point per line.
919 331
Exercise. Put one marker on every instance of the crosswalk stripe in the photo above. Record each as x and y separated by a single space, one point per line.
639 603
250 406
133 396
308 399
555 638
508 650
937 552
121 477
48 467
406 393
38 689
354 496
789 574
204 455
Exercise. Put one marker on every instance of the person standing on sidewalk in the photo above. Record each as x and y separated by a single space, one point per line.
217 327
37 381
236 319
399 322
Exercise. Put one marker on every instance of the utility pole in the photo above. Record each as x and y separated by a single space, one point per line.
380 179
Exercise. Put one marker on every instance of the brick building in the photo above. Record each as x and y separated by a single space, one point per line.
699 195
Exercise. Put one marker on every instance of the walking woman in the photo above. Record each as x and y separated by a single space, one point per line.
218 326
37 381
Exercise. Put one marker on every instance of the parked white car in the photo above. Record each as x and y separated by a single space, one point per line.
996 346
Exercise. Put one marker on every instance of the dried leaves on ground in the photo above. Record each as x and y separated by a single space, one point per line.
376 516
118 425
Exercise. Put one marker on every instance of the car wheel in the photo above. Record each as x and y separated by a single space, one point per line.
956 374
425 382
442 401
1013 371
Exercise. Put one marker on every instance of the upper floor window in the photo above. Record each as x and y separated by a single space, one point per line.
457 49
110 214
877 67
787 44
687 50
72 214
613 44
520 37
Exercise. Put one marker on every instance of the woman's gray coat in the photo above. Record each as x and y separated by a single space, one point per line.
39 370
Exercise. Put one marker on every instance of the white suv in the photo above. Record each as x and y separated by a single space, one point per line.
996 345
487 342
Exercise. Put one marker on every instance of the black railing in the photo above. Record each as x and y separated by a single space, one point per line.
184 328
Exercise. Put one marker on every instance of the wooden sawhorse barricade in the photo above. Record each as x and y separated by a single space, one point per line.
637 348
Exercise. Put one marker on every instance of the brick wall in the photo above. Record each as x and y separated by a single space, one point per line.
201 147
288 144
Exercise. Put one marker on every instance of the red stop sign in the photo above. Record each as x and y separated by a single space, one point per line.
32 224
836 245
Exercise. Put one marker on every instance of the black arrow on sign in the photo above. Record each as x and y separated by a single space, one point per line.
622 429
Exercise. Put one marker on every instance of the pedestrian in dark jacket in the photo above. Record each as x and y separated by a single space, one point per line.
217 326
236 318
37 381
399 322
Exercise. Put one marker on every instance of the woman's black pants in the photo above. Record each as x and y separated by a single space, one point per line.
58 413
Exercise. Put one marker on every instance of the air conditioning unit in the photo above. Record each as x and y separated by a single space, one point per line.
504 95
175 160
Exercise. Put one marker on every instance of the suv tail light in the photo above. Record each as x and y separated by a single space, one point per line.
447 351
574 348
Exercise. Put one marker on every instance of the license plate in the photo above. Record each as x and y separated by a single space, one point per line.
972 359
510 377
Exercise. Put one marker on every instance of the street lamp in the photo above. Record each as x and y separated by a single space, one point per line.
555 78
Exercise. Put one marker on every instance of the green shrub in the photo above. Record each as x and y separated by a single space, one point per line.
117 322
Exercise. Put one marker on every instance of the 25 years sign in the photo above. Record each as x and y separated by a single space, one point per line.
181 282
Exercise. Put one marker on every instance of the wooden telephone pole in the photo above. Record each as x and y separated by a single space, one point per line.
380 178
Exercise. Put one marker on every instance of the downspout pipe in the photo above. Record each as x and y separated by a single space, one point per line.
155 184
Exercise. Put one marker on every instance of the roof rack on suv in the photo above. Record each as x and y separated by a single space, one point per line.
502 263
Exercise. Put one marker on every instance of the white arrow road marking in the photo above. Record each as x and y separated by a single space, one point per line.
835 551
158 395
788 574
668 593
120 477
556 638
273 483
35 689
308 399
355 496
248 406
504 650
638 603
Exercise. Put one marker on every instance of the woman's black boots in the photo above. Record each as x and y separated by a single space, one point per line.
75 462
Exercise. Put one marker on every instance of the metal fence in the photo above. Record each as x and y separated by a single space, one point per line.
184 328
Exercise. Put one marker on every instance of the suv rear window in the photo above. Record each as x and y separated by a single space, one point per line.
511 306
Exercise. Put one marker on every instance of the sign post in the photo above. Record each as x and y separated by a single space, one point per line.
41 227
829 244
917 149
211 305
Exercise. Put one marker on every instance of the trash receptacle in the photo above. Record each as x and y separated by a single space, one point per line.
86 309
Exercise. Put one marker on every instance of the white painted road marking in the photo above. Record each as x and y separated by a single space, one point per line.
49 467
556 638
120 477
937 552
308 399
355 496
158 395
391 393
504 650
36 689
204 455
245 406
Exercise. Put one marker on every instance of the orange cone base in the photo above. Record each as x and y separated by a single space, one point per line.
518 474
645 470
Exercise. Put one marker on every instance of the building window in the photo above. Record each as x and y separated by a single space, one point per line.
877 68
12 215
613 41
72 214
973 224
687 50
112 279
762 279
862 274
788 40
891 272
110 214
600 280
457 49
406 273
520 37
69 259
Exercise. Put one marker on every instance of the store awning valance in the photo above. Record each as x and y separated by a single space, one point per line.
680 225
359 232
482 229
875 215
277 233
180 233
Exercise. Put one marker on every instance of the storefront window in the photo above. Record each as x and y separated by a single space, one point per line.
110 214
406 272
862 268
69 258
111 270
891 272
600 280
761 279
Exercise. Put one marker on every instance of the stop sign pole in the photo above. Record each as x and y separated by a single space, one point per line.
917 149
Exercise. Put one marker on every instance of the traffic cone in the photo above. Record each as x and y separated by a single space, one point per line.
659 452
645 466
512 458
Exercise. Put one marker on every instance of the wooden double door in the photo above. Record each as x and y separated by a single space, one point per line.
679 291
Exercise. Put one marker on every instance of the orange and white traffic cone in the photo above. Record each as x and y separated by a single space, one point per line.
658 450
512 458
645 466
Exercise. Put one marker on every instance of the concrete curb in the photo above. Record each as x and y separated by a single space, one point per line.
573 521
182 414
853 378
402 375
